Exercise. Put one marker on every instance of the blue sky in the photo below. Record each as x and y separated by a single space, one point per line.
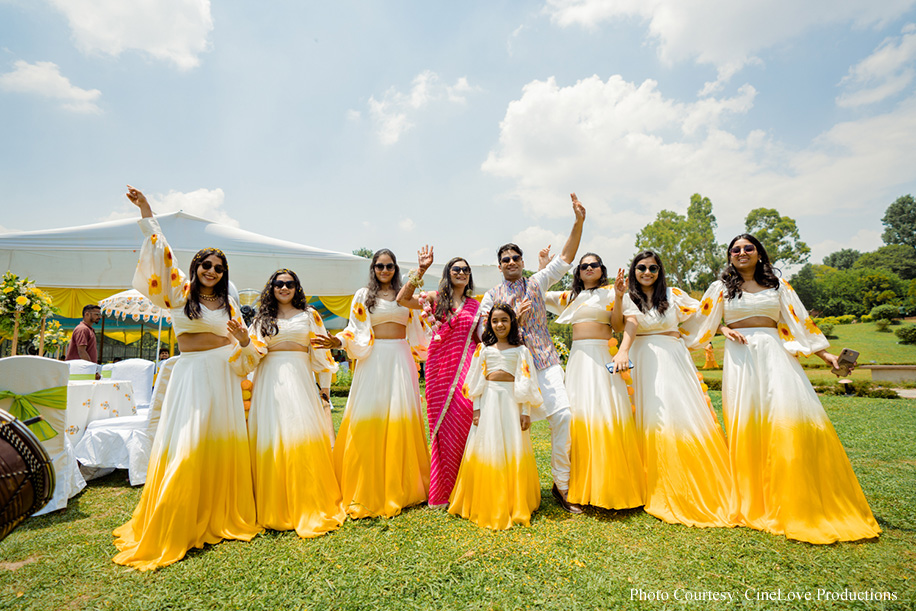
465 125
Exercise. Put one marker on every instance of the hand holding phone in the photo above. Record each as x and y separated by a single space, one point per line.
612 366
846 362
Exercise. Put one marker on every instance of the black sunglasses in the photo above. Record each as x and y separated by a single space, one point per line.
461 269
593 265
748 248
513 258
219 269
279 284
383 266
652 268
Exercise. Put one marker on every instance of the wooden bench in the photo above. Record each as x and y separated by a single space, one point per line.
891 373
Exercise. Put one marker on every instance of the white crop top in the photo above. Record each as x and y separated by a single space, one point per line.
210 321
502 360
295 329
762 303
389 311
588 306
681 306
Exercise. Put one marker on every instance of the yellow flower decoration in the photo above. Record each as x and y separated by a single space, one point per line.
175 277
683 331
359 311
479 348
316 317
792 312
706 307
609 307
788 286
168 256
154 238
347 335
719 299
36 307
155 285
706 337
22 300
612 343
465 390
811 327
186 288
168 303
677 291
687 311
525 371
9 289
784 333
564 298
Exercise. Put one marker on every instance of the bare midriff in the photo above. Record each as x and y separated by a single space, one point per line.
198 342
389 330
500 376
753 321
288 347
668 333
592 330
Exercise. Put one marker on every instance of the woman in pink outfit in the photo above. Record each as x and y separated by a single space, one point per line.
452 313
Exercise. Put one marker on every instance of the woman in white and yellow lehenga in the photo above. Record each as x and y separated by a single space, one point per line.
198 488
497 484
686 459
790 472
380 455
607 469
295 487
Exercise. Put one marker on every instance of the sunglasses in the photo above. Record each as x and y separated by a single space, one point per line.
736 250
513 258
279 284
219 269
652 269
592 265
384 266
460 269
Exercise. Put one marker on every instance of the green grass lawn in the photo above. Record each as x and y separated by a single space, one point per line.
425 559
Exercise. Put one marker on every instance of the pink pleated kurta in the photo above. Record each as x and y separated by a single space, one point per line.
447 447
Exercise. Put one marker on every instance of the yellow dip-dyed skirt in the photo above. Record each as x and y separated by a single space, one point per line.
607 468
790 472
198 486
686 459
380 456
295 487
497 483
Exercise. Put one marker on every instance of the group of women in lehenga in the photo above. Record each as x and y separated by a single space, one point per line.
644 435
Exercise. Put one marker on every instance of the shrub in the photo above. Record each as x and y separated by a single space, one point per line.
826 328
885 312
845 319
866 318
906 334
882 325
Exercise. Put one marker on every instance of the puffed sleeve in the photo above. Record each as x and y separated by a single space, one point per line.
157 276
358 338
476 380
527 391
417 335
703 325
630 308
556 301
685 305
796 329
243 360
321 360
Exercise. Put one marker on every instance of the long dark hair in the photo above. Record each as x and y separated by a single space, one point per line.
660 288
221 290
764 274
269 306
444 292
578 285
489 338
374 284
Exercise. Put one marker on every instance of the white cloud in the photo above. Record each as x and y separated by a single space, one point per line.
724 33
170 30
205 203
628 152
392 114
354 115
886 72
866 240
407 224
45 79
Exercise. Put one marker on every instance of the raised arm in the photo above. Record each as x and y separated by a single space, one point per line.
139 200
620 289
568 253
405 295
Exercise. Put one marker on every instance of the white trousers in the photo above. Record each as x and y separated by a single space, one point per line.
556 411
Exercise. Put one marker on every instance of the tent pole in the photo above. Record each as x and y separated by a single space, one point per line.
140 355
158 341
102 346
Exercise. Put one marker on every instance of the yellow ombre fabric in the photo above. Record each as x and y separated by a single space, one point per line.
607 467
497 484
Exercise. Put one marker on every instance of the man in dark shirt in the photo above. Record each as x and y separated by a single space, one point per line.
82 343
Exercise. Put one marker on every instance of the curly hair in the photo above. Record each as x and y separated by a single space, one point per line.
514 338
578 285
221 290
266 317
764 273
444 292
660 288
374 285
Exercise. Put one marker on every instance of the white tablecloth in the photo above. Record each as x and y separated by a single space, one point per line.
91 400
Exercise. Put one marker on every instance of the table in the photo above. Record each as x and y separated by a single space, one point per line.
91 400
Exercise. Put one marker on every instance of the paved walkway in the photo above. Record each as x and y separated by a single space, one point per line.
906 393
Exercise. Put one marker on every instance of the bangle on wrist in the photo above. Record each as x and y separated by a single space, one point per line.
415 277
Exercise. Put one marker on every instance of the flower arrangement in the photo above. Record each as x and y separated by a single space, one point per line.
23 307
429 315
55 338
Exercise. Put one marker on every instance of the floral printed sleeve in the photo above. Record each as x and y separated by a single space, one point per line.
417 335
157 275
703 324
685 306
243 360
476 380
527 391
321 360
358 338
796 329
556 301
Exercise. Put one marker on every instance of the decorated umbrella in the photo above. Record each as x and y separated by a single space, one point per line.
136 306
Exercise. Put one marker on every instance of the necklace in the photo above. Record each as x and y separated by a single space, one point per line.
209 297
